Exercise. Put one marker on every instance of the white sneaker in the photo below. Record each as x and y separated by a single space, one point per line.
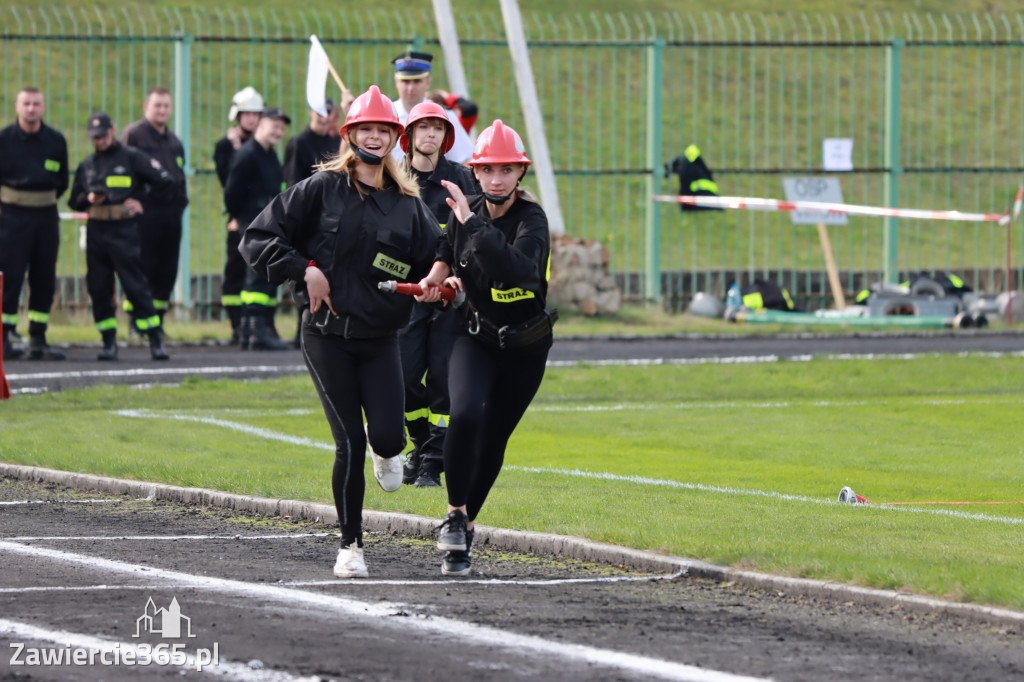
350 563
388 472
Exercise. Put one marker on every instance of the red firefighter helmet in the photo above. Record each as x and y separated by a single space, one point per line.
499 143
424 110
372 107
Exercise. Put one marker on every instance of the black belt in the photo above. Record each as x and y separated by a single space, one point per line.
512 336
344 326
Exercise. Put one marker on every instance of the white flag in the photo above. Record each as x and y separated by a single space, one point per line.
316 79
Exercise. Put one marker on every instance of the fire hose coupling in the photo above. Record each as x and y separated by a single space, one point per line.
447 293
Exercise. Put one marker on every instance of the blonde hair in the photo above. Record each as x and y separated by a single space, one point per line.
346 163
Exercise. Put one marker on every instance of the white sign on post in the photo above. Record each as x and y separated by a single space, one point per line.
837 154
824 189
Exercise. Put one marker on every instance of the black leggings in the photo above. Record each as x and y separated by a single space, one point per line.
352 376
490 390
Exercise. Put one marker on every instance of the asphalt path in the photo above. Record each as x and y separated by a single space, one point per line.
221 361
256 596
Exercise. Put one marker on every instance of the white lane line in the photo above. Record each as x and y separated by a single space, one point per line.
156 371
383 615
147 538
764 359
362 581
13 503
642 480
488 581
577 473
64 639
83 588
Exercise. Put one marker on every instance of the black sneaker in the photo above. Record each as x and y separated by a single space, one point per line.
453 532
457 563
430 475
411 468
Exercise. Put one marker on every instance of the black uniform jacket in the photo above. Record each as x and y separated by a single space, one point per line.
35 162
255 179
223 153
166 148
503 263
121 172
433 192
304 151
357 242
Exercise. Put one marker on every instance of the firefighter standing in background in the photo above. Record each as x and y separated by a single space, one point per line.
356 223
497 249
412 80
256 177
160 222
33 175
109 185
426 342
246 106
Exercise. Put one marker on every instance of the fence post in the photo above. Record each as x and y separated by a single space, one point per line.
183 129
891 237
652 277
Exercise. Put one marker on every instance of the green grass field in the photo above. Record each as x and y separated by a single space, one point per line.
737 465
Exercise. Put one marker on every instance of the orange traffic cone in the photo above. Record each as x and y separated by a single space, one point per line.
5 388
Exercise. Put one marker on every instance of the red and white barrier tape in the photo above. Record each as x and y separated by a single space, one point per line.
755 204
74 216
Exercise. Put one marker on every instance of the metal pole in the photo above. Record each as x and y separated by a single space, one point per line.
449 38
183 129
891 244
538 148
652 280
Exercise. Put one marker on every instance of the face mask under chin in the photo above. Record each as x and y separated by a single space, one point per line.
498 199
367 157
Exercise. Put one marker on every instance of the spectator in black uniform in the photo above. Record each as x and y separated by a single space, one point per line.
256 177
245 110
160 222
312 146
33 175
336 236
426 342
497 249
109 185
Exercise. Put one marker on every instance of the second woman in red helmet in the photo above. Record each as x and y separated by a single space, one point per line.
496 248
336 235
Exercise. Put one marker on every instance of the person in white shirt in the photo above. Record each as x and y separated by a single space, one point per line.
412 80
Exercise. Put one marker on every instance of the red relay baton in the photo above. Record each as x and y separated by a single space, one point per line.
393 287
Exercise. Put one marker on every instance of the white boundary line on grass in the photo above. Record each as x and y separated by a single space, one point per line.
576 473
147 538
383 614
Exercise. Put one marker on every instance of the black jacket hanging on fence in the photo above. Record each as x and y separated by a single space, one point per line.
695 178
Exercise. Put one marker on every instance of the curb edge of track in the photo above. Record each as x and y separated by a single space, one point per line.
522 541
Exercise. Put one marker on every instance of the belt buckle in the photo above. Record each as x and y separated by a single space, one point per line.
503 335
474 324
322 325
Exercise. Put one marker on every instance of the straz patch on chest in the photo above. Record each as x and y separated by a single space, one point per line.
391 266
510 295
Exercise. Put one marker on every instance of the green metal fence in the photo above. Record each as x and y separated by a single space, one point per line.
620 95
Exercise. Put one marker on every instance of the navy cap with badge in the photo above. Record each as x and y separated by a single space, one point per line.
412 65
99 124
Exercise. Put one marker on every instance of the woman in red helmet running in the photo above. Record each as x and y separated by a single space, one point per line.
336 235
496 249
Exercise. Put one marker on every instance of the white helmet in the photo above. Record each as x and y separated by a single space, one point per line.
246 99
